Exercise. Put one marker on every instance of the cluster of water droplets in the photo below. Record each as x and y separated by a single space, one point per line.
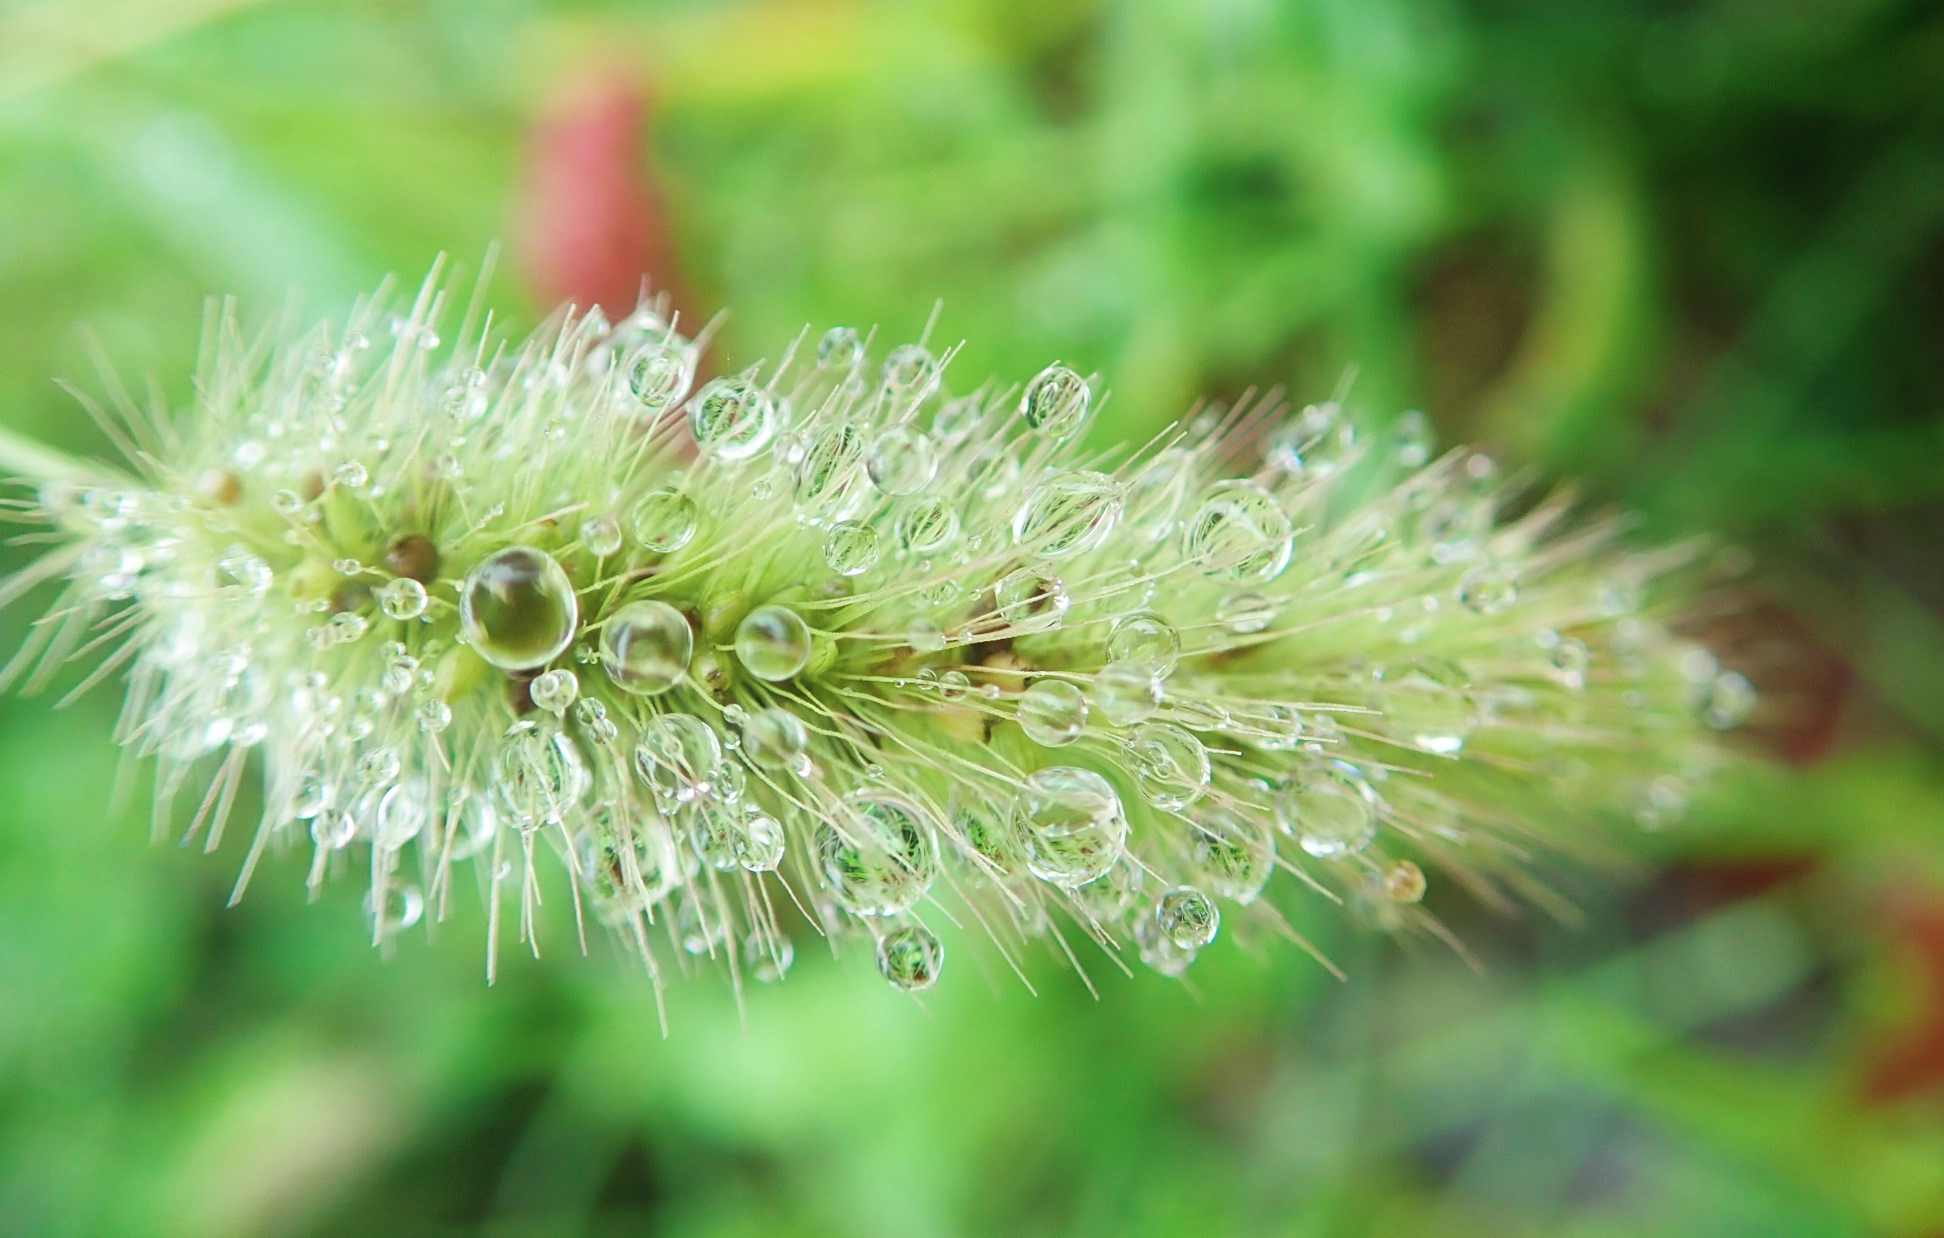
825 647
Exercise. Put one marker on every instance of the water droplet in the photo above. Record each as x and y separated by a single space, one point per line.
1056 402
517 609
700 926
538 773
1158 950
1127 692
953 685
314 795
378 766
1314 442
1404 882
664 520
353 475
1053 712
678 756
1413 439
1234 853
774 738
732 418
1072 825
244 574
601 535
1488 590
554 691
926 526
877 856
1031 599
830 465
910 958
903 461
1569 659
1239 532
1067 513
347 626
850 548
1727 701
911 370
839 349
402 814
759 844
1171 764
1145 637
924 636
646 647
1331 811
1427 702
1246 613
659 374
773 643
986 828
333 831
434 717
768 958
1188 917
402 598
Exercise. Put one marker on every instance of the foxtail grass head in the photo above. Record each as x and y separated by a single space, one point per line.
837 647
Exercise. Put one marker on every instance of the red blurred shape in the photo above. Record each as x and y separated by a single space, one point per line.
593 222
1915 1063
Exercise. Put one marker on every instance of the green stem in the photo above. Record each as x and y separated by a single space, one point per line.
35 462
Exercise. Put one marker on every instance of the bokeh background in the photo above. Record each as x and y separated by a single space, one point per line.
1690 252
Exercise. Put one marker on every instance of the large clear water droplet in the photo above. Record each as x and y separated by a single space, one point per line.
1234 853
1127 692
1067 513
732 418
1031 599
678 757
1331 811
851 548
1145 637
664 520
1056 402
1053 712
910 958
538 773
927 526
902 461
775 738
877 856
659 374
517 608
1188 917
646 647
773 643
1071 824
1239 532
1171 764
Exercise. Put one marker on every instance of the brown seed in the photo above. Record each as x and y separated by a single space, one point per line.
219 486
413 555
1404 882
313 487
519 692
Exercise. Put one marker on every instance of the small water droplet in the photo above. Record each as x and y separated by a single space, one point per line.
664 520
1239 532
646 647
1067 513
1188 917
911 957
839 349
1145 637
773 643
850 548
601 535
1127 692
732 418
402 598
1031 599
902 461
1053 713
554 691
1330 810
1056 402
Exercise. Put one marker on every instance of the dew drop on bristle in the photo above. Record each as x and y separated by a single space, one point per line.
1056 402
1245 614
927 526
1053 713
678 757
839 349
759 844
517 608
902 461
1031 599
538 773
1145 637
1233 852
1427 702
1488 590
732 418
1127 692
910 958
831 463
554 691
881 859
1188 917
659 375
1071 825
1331 811
773 643
1171 765
402 598
601 535
646 647
664 520
911 371
850 548
1067 513
775 738
1239 532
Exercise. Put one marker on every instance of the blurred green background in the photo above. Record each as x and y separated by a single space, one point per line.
1688 251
